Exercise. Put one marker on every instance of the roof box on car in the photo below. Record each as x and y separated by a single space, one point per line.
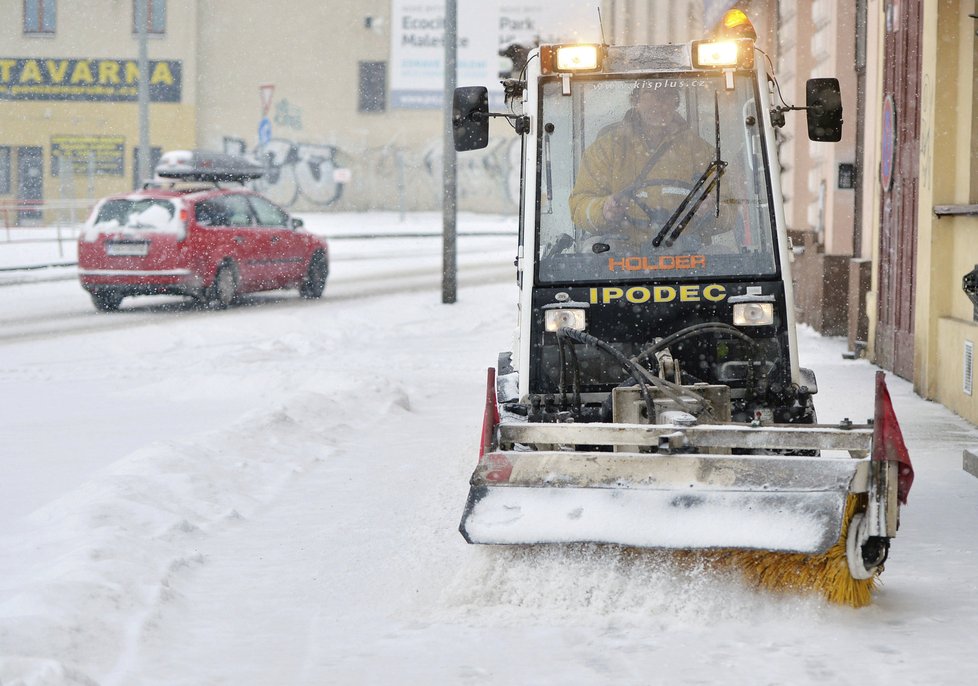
200 165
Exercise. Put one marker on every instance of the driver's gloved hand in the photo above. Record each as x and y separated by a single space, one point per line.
613 209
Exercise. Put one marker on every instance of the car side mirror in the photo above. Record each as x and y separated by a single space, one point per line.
297 223
470 118
823 100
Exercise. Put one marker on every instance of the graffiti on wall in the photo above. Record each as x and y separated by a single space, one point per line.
307 175
493 172
293 171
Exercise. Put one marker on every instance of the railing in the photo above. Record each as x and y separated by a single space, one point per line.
30 213
34 221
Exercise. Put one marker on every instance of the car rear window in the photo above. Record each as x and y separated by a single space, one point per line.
135 215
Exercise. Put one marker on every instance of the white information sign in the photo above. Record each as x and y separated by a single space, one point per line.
484 28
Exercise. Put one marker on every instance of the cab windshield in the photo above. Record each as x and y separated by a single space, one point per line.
648 178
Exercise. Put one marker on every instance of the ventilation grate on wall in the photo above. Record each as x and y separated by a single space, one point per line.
969 365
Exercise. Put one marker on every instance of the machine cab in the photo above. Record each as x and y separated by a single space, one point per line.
652 174
652 227
655 212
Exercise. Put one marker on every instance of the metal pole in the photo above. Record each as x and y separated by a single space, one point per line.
143 94
401 186
91 176
862 19
450 193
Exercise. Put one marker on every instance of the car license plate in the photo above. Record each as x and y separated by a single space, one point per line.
117 249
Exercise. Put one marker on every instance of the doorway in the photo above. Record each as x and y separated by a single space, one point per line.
30 183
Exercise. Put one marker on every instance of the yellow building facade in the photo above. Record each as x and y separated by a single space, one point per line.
946 318
307 88
69 119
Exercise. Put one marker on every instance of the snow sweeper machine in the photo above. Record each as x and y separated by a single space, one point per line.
653 397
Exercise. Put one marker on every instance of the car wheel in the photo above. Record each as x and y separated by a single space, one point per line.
106 300
314 283
225 287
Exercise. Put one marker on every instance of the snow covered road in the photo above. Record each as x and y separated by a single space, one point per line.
37 305
271 496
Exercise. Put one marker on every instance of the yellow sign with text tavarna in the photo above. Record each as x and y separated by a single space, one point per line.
101 80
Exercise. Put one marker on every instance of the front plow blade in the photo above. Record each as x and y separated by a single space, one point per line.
793 507
686 501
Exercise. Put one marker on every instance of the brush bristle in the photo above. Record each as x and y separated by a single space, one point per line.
826 574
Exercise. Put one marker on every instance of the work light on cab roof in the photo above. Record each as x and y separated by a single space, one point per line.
730 47
570 58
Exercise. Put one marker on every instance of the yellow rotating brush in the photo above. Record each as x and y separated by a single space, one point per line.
827 574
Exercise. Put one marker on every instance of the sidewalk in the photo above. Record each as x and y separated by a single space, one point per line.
937 438
38 245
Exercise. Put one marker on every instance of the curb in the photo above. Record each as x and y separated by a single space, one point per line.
53 265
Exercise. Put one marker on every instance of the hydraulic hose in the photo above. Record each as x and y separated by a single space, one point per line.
561 381
696 330
627 364
689 331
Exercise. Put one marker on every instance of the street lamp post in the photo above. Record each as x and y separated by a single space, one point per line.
450 193
143 93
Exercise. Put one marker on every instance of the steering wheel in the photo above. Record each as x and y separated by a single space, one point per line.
657 216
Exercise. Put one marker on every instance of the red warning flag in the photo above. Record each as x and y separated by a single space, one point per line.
888 442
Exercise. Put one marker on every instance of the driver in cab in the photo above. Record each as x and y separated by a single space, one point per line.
636 172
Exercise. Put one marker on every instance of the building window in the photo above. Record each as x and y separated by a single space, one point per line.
40 16
373 87
4 170
155 16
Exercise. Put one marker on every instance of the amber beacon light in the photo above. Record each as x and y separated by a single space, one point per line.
736 24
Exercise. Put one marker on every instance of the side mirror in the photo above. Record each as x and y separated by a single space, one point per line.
470 118
824 102
297 223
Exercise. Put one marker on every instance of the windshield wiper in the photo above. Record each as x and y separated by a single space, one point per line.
548 167
709 179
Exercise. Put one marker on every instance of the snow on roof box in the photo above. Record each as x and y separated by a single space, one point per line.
200 165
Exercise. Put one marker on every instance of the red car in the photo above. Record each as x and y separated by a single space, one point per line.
191 236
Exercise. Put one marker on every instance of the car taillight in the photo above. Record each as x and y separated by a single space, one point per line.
184 216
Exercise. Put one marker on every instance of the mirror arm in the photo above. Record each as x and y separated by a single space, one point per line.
521 122
777 113
789 108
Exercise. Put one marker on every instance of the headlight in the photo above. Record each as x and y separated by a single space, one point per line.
753 314
557 319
